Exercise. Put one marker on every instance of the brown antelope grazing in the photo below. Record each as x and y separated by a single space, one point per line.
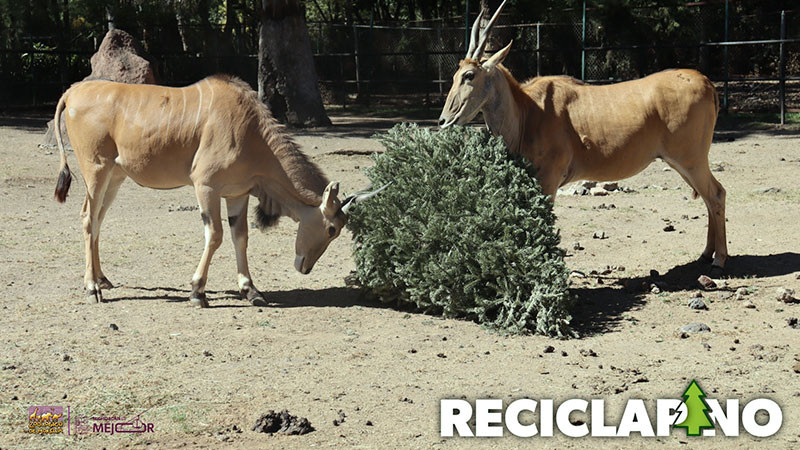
572 131
213 135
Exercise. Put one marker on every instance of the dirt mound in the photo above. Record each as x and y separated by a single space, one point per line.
282 422
120 58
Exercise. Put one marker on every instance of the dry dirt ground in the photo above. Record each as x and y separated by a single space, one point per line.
319 347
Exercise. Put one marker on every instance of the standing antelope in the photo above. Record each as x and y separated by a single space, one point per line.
213 135
572 131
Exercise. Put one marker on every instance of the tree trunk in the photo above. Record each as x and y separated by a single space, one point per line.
494 42
210 35
111 12
64 45
287 79
182 28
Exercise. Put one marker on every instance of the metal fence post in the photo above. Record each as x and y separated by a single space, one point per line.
371 61
538 46
583 44
466 27
439 57
319 36
725 53
34 89
355 55
64 47
782 70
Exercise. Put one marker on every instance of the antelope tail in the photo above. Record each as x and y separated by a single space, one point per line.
64 175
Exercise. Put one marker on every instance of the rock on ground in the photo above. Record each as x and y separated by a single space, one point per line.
706 282
687 330
697 303
785 295
586 187
598 191
741 293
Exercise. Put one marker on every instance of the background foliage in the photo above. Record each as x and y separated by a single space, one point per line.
463 231
407 48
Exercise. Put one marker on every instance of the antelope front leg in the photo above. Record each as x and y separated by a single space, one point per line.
237 219
549 184
209 202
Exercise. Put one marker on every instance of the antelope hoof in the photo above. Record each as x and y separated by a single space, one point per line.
717 271
199 300
703 259
255 298
105 284
95 295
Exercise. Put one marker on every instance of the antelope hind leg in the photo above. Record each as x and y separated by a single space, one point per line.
699 177
97 181
117 177
699 181
714 196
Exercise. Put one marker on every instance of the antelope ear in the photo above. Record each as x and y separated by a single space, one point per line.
330 199
497 58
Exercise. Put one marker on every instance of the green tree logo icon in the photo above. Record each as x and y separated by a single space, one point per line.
696 417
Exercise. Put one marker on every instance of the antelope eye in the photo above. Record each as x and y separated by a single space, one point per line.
331 231
469 76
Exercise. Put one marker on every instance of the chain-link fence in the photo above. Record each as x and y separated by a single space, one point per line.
753 64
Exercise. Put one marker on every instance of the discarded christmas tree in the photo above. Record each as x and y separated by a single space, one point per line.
696 415
462 231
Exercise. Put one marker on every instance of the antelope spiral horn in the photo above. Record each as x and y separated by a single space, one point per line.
486 31
473 40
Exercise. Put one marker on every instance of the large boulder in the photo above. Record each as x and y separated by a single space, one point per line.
120 58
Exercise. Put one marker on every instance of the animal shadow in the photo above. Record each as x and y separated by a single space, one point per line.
337 297
684 277
340 297
602 309
177 294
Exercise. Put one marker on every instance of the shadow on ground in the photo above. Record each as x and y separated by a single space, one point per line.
601 309
598 310
740 125
367 126
337 297
33 124
684 277
168 294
